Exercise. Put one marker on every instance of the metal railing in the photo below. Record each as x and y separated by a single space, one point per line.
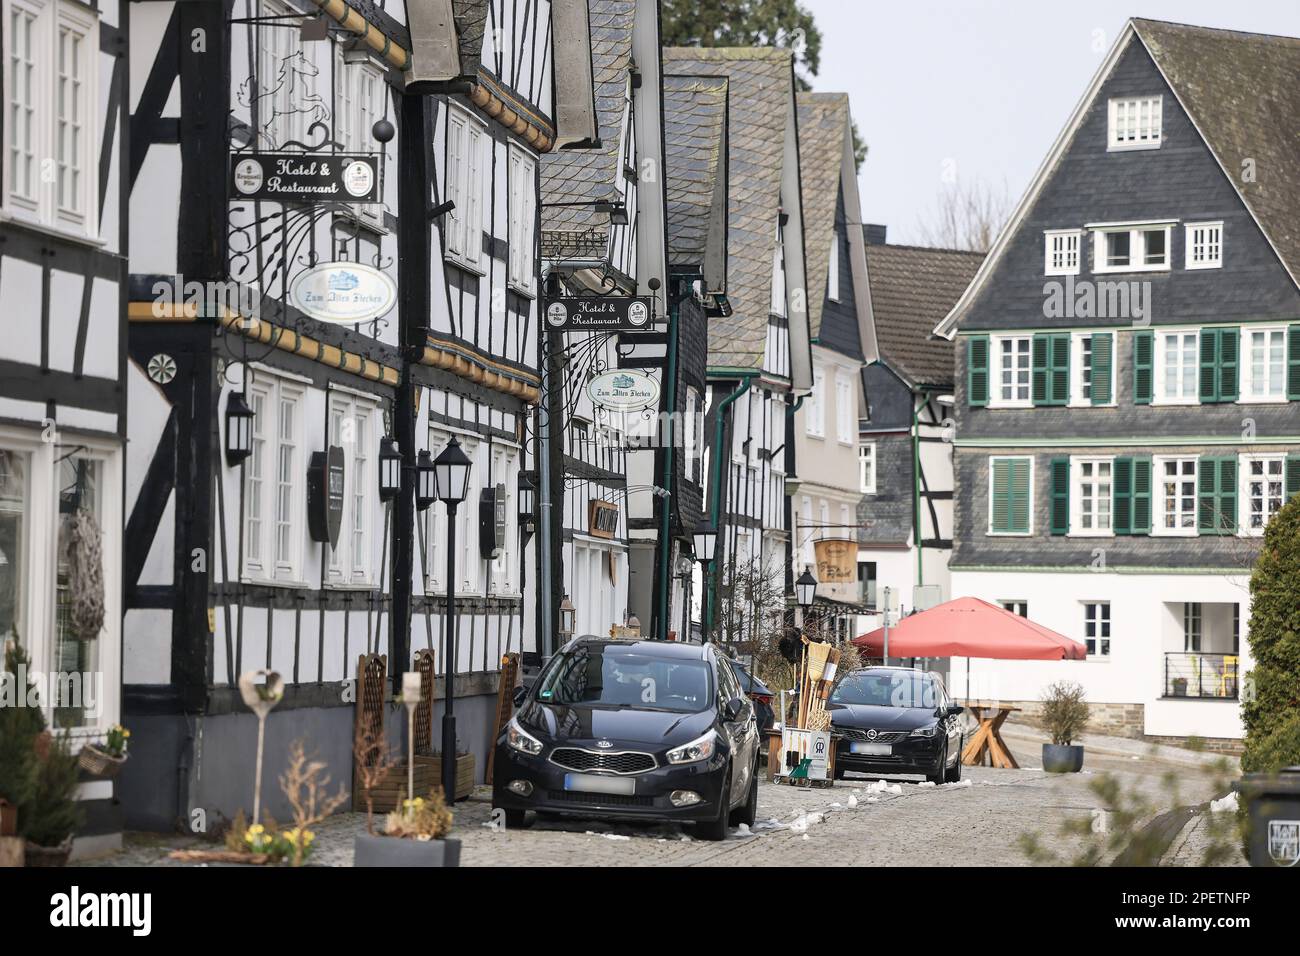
1197 675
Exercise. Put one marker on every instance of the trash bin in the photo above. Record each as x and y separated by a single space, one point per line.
1273 811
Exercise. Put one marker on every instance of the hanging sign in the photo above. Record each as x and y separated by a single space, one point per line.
623 390
325 483
305 177
602 519
607 313
837 561
343 292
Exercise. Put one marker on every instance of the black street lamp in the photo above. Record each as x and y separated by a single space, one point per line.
239 429
705 540
451 485
805 589
390 469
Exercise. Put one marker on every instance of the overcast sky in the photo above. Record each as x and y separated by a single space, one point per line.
980 86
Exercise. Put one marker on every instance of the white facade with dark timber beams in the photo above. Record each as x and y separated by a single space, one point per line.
63 409
227 567
1128 372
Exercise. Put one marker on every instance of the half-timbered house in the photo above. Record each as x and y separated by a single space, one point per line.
63 408
292 550
759 354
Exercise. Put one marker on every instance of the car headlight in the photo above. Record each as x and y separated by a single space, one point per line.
697 750
925 731
519 739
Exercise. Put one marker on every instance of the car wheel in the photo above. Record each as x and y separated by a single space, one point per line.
716 829
953 774
942 769
748 811
516 819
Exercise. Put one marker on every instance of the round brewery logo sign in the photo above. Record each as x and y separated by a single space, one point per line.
343 292
623 390
248 176
637 314
358 178
556 314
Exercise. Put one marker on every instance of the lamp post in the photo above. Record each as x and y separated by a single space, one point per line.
451 482
704 539
805 589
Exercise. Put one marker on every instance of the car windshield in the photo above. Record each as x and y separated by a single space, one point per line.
611 675
887 689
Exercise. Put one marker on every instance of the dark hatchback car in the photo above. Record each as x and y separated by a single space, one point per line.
896 720
650 730
758 693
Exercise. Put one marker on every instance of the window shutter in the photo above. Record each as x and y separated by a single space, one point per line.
977 371
1292 476
1209 381
1039 387
1101 367
1293 363
1207 483
1143 349
1060 496
1001 486
1122 496
1060 371
1229 346
1217 496
1141 508
1020 494
1227 495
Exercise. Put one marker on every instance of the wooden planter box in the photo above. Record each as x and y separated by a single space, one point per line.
464 773
391 791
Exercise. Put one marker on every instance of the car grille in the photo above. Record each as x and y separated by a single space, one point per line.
595 761
600 799
881 737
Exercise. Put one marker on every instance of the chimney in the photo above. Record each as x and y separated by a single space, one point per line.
874 233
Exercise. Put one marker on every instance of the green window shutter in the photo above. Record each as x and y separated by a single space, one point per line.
1000 498
1101 367
1060 370
1293 363
1209 380
1121 509
1020 494
1060 496
1141 508
1227 495
1229 346
977 371
1292 476
1041 369
1143 365
1207 485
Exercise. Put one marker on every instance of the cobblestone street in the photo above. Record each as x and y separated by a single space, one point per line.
859 822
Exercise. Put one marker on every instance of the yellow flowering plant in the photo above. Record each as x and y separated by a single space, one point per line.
420 819
117 740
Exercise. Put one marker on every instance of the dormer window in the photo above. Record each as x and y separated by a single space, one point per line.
1134 123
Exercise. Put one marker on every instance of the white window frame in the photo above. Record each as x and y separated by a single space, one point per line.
867 468
503 572
1137 245
996 366
1249 391
1062 251
1077 478
692 428
815 419
1101 619
1018 606
993 459
1203 245
344 567
267 567
1159 367
42 208
361 93
466 136
1244 463
1119 113
846 418
1077 397
833 267
522 218
1160 499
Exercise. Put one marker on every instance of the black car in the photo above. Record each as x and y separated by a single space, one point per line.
896 720
758 693
653 730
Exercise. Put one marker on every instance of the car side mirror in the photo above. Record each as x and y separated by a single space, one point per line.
519 695
734 708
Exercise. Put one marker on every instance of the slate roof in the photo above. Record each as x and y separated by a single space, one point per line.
912 289
592 175
1242 91
695 109
823 124
469 16
761 84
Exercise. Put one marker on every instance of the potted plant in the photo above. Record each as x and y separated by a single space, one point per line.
1065 715
49 820
1179 685
415 834
107 760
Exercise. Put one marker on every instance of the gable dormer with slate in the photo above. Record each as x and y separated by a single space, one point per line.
1128 369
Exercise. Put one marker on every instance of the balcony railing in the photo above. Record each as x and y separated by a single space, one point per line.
1196 675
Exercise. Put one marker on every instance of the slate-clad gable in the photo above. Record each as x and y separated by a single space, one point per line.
839 318
1179 180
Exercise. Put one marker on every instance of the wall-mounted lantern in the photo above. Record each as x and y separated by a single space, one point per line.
568 618
805 588
426 484
527 506
239 429
390 469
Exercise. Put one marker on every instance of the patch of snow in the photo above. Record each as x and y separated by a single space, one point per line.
1224 804
927 783
853 801
961 783
880 786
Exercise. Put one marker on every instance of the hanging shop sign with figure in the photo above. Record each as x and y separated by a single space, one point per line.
343 292
304 177
608 313
837 561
